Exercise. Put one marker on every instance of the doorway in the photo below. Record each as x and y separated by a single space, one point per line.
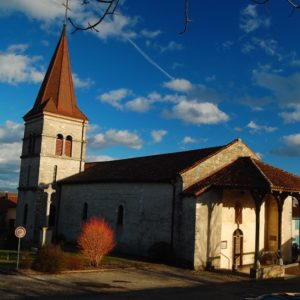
238 248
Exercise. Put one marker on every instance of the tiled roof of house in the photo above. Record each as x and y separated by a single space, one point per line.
56 94
248 173
8 200
156 168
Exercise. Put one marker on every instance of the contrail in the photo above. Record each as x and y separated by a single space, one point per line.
149 59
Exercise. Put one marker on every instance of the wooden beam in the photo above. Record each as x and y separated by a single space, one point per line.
258 197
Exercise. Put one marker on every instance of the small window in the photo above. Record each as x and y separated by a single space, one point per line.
120 215
54 173
238 213
68 146
59 145
85 212
25 213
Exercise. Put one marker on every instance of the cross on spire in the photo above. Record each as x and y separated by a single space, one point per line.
66 5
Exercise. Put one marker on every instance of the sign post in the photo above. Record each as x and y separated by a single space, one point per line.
20 232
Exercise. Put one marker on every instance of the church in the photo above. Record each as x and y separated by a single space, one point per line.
220 207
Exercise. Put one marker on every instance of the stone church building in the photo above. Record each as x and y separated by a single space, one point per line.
219 206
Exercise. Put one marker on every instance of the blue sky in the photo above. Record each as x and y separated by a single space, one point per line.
147 89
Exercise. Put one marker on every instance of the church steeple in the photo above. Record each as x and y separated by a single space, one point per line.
56 94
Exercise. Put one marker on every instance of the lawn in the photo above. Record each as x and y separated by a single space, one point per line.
8 260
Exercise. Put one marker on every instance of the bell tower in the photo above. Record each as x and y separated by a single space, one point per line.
54 144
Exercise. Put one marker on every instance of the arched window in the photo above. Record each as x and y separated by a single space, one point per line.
52 215
54 173
238 209
237 248
85 212
25 213
120 219
68 146
59 145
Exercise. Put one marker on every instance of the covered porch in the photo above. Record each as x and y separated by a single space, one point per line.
256 205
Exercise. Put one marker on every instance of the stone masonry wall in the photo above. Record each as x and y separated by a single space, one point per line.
38 166
215 162
147 212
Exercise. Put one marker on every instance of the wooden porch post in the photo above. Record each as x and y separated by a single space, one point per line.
280 198
258 197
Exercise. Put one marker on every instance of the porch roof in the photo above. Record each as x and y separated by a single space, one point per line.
251 174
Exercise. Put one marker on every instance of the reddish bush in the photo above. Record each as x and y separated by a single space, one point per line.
49 259
73 263
25 260
96 240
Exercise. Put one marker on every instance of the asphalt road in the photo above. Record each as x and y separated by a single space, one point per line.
146 282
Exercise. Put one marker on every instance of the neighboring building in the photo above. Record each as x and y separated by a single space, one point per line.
8 206
296 222
218 206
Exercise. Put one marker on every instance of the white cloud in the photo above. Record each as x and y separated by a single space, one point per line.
179 85
9 165
42 10
285 88
139 104
114 137
94 158
255 127
17 48
293 116
170 47
114 97
227 44
251 21
15 67
292 140
188 140
269 46
197 112
292 146
82 83
211 78
119 26
11 132
157 135
176 65
10 152
150 34
48 12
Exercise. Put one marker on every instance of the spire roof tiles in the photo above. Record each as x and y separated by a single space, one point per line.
56 94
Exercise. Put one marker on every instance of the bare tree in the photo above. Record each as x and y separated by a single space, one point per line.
109 7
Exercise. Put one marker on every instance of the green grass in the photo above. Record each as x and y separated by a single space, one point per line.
8 259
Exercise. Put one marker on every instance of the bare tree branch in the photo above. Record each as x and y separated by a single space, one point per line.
110 10
187 19
292 3
113 4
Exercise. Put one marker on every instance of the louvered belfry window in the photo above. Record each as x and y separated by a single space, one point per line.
68 146
59 145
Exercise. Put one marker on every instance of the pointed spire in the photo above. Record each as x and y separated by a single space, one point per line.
56 94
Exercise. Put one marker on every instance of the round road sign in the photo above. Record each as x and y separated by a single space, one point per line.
20 232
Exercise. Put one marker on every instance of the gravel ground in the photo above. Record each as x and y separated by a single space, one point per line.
150 281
